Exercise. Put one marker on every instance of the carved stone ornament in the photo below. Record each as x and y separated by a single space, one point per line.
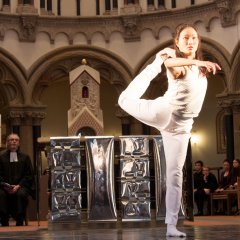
226 12
28 26
29 117
131 30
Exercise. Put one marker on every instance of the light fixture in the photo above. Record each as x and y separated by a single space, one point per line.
194 138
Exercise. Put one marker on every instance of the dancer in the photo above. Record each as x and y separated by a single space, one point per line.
172 113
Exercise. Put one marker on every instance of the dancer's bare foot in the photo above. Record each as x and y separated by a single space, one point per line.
173 232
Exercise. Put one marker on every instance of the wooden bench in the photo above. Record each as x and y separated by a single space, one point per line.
227 195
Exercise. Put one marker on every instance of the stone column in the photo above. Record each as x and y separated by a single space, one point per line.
236 129
125 120
229 134
26 135
136 127
27 124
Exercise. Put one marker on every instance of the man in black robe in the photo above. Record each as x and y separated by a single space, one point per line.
16 182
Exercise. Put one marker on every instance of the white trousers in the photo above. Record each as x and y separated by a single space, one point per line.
175 132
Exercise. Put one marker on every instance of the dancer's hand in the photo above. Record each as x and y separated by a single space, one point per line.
210 66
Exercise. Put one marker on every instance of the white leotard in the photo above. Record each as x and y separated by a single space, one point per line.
186 95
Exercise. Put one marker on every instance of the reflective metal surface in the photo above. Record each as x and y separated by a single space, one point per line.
135 178
65 178
101 195
160 177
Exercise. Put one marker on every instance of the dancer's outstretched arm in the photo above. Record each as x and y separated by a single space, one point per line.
176 65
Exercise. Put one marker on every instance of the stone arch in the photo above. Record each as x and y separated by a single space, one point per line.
234 85
219 54
13 80
70 57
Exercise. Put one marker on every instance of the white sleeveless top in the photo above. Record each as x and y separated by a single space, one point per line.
187 94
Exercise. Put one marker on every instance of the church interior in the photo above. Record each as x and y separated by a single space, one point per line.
63 66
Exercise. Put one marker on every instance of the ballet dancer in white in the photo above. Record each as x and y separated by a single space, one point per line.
172 113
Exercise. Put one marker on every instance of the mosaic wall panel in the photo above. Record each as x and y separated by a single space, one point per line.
160 178
65 165
135 178
100 163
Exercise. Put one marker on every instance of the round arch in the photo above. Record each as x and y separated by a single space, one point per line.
13 79
74 54
235 73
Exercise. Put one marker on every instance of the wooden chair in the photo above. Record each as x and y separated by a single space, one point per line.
226 195
238 195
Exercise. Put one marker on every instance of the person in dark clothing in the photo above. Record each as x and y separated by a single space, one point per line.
208 185
225 177
198 175
16 182
235 172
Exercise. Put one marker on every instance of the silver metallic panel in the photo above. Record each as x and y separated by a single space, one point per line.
134 167
66 206
160 177
65 178
134 146
101 196
135 178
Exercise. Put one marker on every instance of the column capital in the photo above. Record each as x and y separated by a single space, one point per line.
226 100
24 115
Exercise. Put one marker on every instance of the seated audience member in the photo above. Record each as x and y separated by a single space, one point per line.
225 177
235 172
16 182
209 184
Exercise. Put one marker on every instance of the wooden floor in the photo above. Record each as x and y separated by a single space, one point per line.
210 227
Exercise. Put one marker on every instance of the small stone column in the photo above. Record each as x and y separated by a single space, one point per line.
236 129
24 122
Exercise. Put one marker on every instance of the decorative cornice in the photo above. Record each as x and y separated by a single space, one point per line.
19 115
227 100
129 25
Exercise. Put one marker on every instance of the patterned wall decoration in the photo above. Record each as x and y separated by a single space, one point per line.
101 194
65 178
135 178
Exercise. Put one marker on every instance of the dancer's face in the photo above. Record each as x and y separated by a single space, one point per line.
188 42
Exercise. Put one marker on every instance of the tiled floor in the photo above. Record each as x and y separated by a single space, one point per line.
203 228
